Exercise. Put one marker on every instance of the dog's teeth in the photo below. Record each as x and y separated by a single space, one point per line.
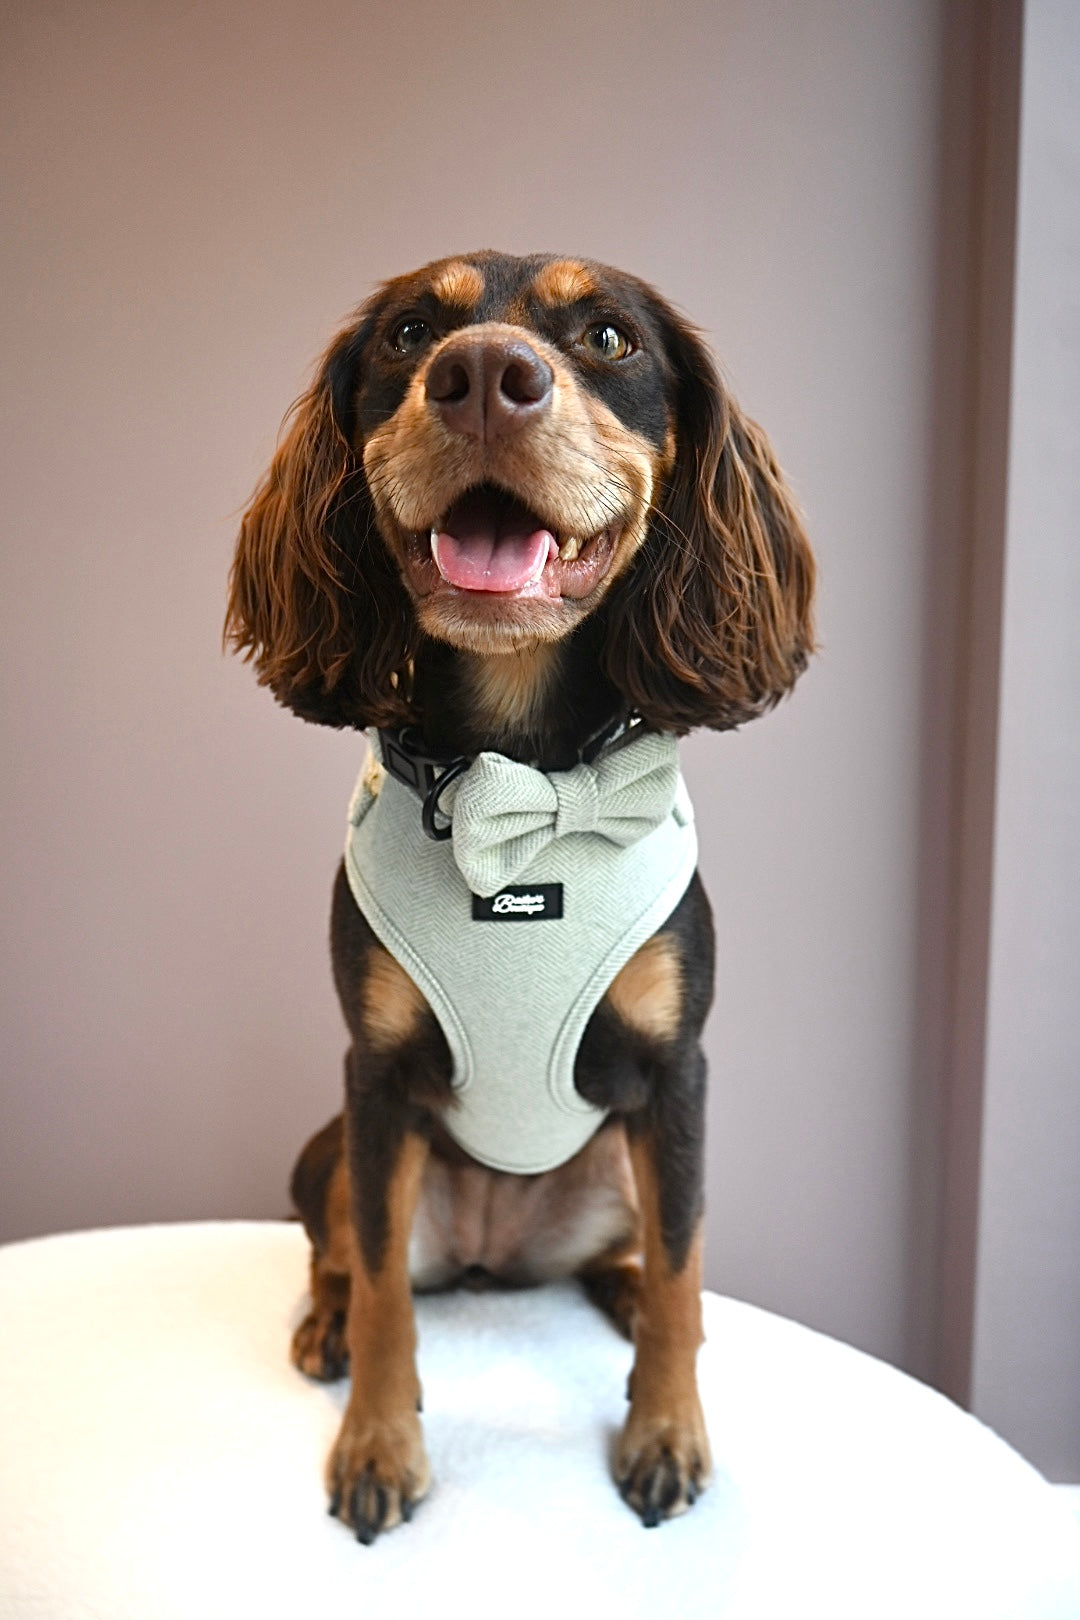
569 549
435 550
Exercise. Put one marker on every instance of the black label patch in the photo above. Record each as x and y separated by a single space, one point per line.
534 903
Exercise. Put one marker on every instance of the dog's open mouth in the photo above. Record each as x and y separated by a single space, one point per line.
490 541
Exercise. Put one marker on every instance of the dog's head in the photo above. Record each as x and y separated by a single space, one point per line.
495 449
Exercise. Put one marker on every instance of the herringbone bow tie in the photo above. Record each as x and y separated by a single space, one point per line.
505 814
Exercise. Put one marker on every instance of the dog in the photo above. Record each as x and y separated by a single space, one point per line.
518 525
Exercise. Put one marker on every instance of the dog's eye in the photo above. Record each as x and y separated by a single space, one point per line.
607 341
410 335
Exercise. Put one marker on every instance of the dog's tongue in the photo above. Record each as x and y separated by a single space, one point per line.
488 541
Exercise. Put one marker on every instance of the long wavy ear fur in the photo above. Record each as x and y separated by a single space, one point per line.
713 623
314 600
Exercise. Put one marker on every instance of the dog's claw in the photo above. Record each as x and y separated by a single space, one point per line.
375 1507
662 1466
377 1473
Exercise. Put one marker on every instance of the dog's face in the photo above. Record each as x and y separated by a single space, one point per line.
495 449
514 417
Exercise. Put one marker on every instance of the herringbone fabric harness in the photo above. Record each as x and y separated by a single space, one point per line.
575 870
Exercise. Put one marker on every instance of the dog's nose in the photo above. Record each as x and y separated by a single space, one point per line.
486 387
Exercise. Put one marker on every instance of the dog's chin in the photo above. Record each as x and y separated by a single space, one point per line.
480 622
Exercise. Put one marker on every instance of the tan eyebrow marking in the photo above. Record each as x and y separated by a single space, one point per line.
459 284
564 282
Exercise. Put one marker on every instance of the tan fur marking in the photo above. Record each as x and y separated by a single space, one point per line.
509 689
318 1346
665 1426
378 1459
564 282
382 1333
336 1256
578 467
459 284
672 1299
647 992
393 1006
639 467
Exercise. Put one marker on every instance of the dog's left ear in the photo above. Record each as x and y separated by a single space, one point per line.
713 622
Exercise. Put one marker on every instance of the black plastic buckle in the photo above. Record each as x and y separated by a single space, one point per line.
406 759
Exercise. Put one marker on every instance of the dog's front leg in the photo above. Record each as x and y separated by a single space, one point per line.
662 1460
378 1469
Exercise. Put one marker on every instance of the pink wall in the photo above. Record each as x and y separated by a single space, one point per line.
199 194
1026 1330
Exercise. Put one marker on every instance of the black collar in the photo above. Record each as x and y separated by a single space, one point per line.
408 760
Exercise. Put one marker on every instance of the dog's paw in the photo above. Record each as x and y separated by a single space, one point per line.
377 1472
615 1289
319 1348
662 1462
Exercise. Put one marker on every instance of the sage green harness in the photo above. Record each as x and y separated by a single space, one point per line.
514 927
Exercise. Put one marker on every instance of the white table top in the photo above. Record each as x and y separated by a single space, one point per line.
160 1457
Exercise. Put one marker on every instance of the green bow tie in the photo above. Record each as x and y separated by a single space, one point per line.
505 814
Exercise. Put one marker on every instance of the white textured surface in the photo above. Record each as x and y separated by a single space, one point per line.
160 1458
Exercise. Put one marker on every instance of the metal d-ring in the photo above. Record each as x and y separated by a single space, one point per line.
431 802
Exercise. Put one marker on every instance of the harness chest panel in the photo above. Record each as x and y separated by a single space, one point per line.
514 977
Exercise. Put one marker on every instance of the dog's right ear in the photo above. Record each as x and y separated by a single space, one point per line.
713 622
314 598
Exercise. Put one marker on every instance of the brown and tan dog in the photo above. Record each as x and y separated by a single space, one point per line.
517 508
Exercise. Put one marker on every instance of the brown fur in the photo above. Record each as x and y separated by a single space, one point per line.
682 592
577 466
314 619
662 1460
509 690
711 628
481 1224
647 993
393 1006
378 1469
518 1230
589 476
564 282
613 1283
458 284
318 1346
730 615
